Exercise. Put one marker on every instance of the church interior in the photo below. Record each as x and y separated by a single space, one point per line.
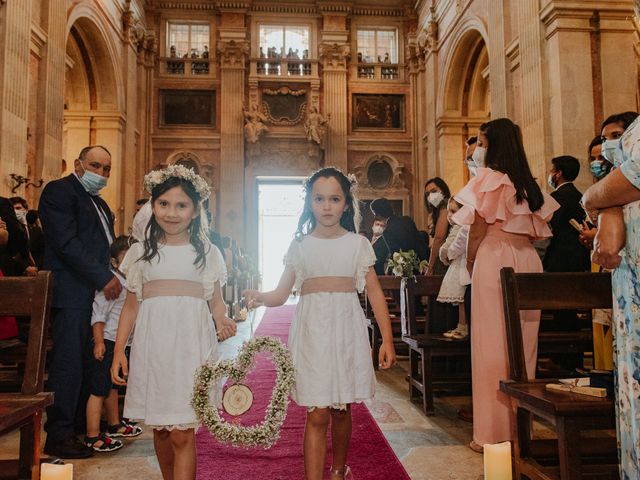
258 94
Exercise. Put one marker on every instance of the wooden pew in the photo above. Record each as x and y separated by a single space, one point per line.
27 296
425 346
390 285
572 456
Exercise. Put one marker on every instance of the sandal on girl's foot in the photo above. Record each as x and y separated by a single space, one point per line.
344 473
102 443
476 447
123 429
450 333
460 333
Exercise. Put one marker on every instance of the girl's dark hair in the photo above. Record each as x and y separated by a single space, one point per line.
350 219
121 244
625 118
435 211
597 140
505 154
153 232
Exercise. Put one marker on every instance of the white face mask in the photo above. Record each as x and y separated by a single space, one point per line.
612 151
435 198
478 156
378 230
21 215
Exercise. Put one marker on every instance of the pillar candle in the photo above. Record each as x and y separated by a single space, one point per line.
49 471
497 461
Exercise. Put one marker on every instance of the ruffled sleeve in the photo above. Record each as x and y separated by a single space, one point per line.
493 196
366 258
293 260
215 270
131 266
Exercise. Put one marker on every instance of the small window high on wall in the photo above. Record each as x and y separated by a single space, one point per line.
187 39
377 45
284 41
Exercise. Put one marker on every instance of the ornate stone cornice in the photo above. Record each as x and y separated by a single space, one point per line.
232 53
285 8
414 57
379 11
176 5
334 55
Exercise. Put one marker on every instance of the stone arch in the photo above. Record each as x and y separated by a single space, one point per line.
94 94
465 91
465 97
91 46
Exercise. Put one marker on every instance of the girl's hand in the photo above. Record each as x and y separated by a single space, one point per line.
98 351
387 355
120 363
586 237
226 328
253 298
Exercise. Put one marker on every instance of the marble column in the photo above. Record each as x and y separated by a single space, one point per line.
51 102
496 14
232 55
334 55
15 38
533 121
570 86
414 58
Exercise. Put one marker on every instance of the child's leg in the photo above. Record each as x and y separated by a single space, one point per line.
184 454
340 437
164 452
315 443
94 412
111 408
462 316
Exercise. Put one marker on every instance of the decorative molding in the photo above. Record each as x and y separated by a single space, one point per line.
283 120
38 40
232 53
379 11
396 182
334 55
173 5
512 52
284 8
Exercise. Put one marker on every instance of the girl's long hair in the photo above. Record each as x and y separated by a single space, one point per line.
505 154
435 211
350 219
155 234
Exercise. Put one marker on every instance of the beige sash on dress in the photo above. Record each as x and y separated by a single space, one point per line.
329 285
172 288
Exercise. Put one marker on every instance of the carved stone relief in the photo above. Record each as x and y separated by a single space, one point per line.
380 172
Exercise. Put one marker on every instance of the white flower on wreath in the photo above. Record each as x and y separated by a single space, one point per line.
157 177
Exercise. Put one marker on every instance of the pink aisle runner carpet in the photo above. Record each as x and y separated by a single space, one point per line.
370 456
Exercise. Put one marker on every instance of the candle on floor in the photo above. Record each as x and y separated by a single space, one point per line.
49 471
497 461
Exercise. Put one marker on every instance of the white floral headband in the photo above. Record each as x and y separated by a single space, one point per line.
353 182
157 177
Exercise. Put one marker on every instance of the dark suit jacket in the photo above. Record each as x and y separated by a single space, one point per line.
399 234
14 256
76 246
565 252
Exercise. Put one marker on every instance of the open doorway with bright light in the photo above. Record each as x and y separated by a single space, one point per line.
280 202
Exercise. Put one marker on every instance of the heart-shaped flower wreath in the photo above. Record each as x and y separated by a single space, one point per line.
266 433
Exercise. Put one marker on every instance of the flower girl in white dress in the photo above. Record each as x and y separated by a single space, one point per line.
174 281
328 263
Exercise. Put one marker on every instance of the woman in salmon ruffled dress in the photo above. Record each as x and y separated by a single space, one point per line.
506 210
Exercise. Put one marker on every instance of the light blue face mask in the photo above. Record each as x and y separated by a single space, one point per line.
612 151
598 169
92 182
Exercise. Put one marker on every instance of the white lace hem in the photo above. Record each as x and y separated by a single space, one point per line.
334 406
180 426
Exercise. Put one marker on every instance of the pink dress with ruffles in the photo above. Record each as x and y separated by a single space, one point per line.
508 243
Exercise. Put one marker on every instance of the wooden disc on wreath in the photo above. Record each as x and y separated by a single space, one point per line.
237 399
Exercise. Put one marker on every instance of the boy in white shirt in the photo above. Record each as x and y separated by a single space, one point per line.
104 323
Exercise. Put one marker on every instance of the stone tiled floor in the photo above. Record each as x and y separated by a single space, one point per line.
430 448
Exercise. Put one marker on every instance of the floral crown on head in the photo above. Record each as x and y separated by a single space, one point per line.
353 182
157 177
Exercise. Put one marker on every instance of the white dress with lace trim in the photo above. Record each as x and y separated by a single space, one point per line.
328 336
174 336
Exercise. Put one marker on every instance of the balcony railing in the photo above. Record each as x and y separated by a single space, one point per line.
185 67
378 71
284 67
